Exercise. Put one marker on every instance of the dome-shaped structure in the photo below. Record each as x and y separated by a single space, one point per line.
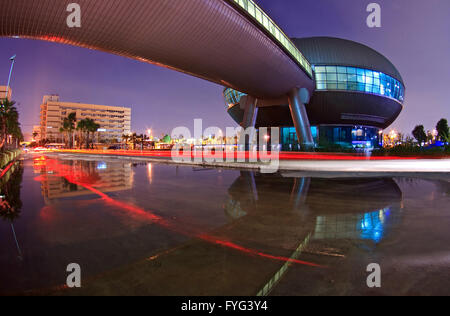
358 92
342 52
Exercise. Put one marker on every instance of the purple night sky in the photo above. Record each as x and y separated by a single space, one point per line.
414 36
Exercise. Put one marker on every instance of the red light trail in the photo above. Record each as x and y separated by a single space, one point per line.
242 155
74 177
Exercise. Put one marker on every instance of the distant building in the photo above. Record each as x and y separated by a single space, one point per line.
3 92
114 121
36 134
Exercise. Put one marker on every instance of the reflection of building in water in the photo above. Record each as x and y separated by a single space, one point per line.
106 177
252 191
346 226
265 210
363 208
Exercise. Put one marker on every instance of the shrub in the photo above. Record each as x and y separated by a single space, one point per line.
8 156
412 150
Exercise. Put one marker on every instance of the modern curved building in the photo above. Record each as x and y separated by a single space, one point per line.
358 93
344 90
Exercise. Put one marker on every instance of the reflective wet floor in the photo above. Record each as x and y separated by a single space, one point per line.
138 228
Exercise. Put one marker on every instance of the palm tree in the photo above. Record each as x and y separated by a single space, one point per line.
134 139
91 127
87 126
140 139
69 125
68 128
9 123
81 128
125 138
63 131
13 127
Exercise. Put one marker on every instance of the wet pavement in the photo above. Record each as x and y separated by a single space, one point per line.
155 229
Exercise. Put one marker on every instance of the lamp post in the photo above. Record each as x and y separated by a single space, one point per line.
13 60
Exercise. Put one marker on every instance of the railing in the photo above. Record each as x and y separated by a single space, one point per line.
266 22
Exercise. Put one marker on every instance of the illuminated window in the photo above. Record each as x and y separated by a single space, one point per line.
264 20
232 97
358 79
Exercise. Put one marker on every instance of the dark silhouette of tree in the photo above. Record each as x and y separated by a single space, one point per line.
9 123
419 134
443 130
68 127
87 126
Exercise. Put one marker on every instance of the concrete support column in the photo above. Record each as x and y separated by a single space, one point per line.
249 177
297 100
249 105
300 192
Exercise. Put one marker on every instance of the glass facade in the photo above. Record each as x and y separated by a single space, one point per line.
373 225
232 96
357 137
358 79
288 139
266 22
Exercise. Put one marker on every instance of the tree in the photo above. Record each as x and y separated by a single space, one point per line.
81 128
443 130
419 134
134 140
69 125
126 138
141 140
9 123
87 126
91 127
63 131
13 128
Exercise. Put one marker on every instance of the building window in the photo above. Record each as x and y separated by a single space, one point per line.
358 79
232 97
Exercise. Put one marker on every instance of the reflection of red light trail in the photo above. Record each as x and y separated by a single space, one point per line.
75 173
47 213
255 252
5 171
65 172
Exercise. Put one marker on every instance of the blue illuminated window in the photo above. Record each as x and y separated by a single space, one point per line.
232 97
358 79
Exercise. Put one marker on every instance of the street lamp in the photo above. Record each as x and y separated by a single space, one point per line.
13 60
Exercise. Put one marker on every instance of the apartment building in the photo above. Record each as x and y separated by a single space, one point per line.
36 134
114 121
3 92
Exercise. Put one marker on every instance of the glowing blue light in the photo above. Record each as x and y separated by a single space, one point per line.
373 225
102 166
